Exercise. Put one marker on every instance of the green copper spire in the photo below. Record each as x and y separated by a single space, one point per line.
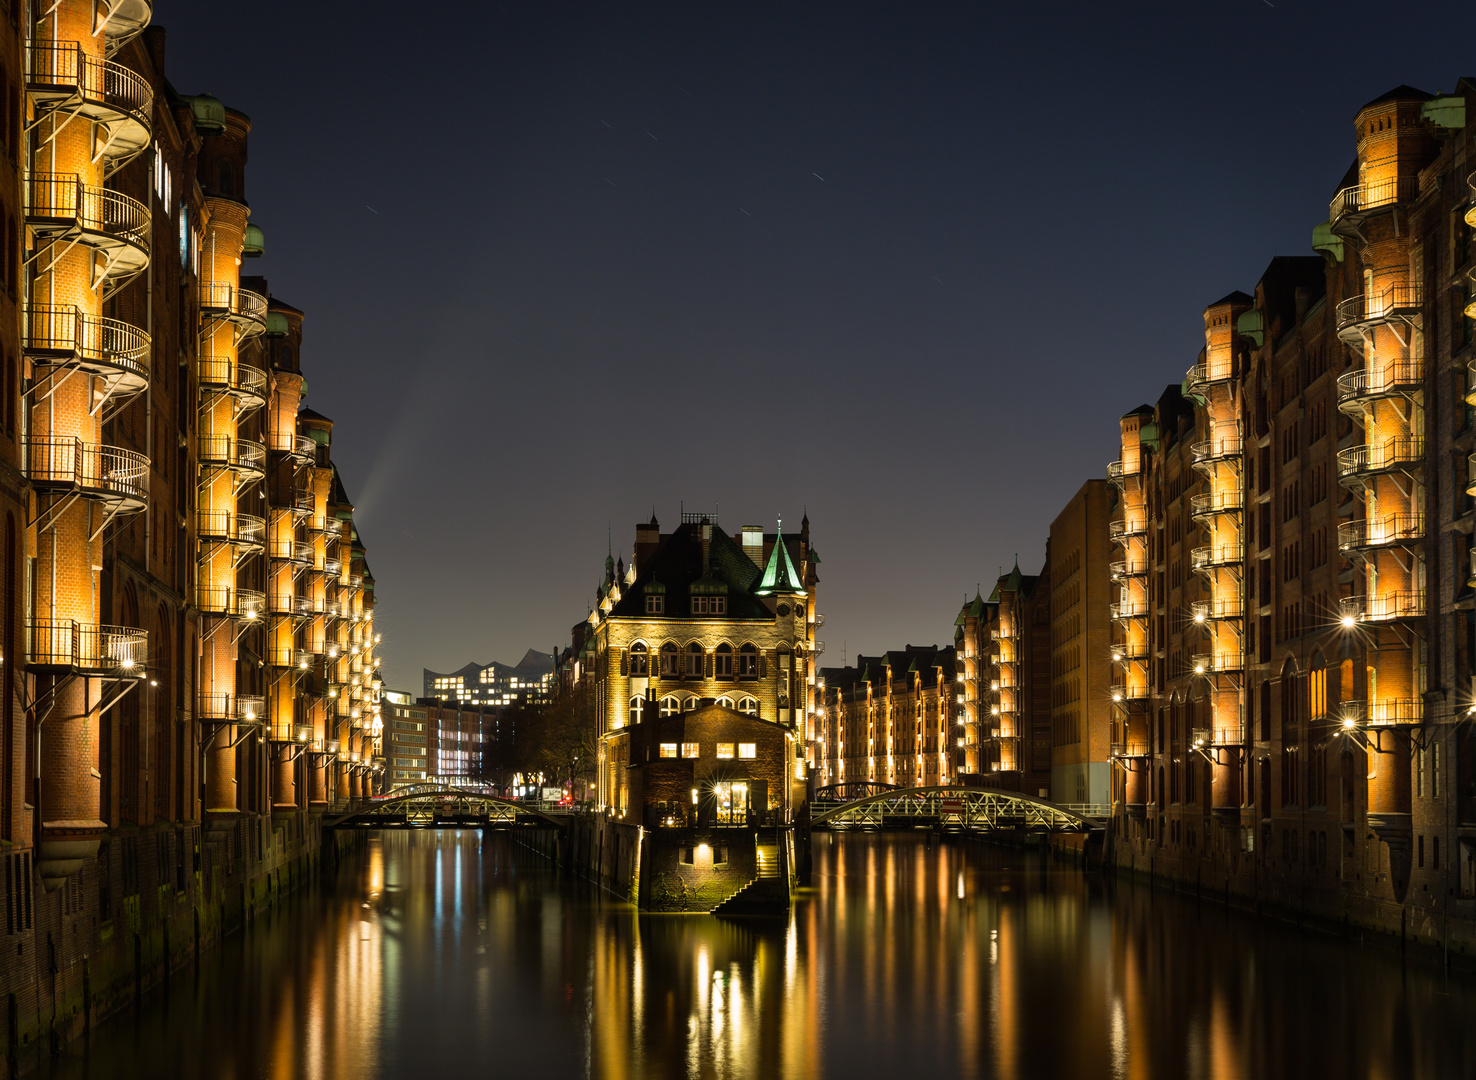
779 575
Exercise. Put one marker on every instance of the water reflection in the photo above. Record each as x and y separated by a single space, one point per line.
442 953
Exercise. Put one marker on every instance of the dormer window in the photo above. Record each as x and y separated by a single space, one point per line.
709 605
655 605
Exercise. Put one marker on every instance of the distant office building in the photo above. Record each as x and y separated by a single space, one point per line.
528 682
440 742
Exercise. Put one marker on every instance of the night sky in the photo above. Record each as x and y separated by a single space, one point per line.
901 264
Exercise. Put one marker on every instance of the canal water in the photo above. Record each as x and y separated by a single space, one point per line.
444 954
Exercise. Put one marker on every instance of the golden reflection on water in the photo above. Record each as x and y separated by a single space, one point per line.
445 954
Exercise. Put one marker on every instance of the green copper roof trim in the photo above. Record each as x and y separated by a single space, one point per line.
1252 325
210 114
1326 241
253 243
1148 435
779 575
1446 112
276 324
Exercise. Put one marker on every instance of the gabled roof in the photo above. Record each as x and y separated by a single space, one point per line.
1237 297
1401 92
677 565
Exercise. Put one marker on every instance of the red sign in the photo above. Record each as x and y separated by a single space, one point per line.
951 806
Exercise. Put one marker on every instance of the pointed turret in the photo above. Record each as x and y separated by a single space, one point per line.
780 575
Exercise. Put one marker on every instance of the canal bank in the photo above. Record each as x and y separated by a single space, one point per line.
153 901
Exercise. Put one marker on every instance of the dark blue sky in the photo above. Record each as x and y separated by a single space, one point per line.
903 264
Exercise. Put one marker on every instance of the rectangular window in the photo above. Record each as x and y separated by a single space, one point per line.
747 750
654 604
719 856
668 749
724 750
689 749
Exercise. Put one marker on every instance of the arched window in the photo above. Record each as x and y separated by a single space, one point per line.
668 662
638 710
725 702
748 706
722 666
748 662
694 661
689 704
670 705
640 659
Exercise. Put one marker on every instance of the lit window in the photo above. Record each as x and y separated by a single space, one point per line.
748 750
670 706
748 706
668 749
722 661
689 749
724 750
638 710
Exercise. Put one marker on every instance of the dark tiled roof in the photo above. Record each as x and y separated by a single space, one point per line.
1399 93
1237 297
677 563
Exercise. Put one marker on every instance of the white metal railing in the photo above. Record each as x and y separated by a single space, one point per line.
221 373
1399 376
1392 529
230 601
93 467
230 526
1229 501
1209 556
66 65
1405 604
1396 299
64 198
87 647
1215 449
1360 198
233 302
227 451
1379 457
64 330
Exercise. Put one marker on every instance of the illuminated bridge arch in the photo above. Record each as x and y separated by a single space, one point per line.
969 808
426 805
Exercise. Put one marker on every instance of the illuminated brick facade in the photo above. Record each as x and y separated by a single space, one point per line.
1293 643
158 761
703 619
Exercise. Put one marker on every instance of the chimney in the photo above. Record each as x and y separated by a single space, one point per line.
648 539
752 539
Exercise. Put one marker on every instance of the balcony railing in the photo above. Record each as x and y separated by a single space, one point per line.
1393 711
1125 651
62 75
1229 501
228 452
1386 380
110 473
64 334
301 447
226 708
293 551
1211 556
1129 609
1387 531
1210 663
1217 608
223 300
1207 372
123 20
1124 528
243 381
1386 607
227 526
1127 568
1395 302
302 501
230 602
1217 449
1388 456
1361 198
88 647
1118 472
109 221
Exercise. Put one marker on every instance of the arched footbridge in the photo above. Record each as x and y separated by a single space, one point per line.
968 809
429 806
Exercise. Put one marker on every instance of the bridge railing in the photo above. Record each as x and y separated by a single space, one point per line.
977 809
